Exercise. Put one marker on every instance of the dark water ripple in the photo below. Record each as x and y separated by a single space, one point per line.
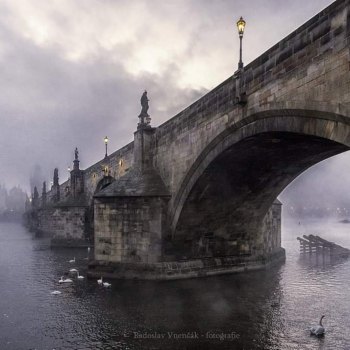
266 309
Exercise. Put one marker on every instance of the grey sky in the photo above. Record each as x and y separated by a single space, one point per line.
73 71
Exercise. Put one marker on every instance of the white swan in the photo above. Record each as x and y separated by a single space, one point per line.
80 277
67 280
100 281
319 329
72 261
106 284
73 270
56 292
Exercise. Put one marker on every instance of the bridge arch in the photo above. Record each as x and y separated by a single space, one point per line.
104 182
250 163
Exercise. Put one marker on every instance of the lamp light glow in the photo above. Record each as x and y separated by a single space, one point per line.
240 26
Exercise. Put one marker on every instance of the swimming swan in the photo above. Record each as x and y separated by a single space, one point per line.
106 284
72 261
100 281
319 329
56 292
67 280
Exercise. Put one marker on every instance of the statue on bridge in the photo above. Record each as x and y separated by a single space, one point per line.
144 117
76 159
144 103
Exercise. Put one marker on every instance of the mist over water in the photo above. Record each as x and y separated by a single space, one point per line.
270 309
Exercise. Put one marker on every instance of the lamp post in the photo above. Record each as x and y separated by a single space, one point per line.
240 27
106 143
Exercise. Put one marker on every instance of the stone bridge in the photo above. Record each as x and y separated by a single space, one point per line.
202 185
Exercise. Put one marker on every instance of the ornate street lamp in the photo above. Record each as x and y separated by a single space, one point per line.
240 26
106 143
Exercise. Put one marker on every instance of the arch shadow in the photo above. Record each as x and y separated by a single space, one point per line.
233 183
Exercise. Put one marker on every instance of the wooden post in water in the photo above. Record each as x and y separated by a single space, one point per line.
315 244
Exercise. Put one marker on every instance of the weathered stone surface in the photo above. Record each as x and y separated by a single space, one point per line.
306 75
130 214
222 163
227 203
66 225
138 184
129 228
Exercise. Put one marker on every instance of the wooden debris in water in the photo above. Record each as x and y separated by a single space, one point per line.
315 245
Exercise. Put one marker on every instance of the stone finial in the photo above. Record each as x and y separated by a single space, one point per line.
43 194
55 186
55 177
35 198
36 193
144 117
44 188
76 153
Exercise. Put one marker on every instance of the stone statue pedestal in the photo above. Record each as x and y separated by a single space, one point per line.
145 121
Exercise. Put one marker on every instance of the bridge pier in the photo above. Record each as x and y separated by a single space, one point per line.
130 219
130 240
132 231
133 237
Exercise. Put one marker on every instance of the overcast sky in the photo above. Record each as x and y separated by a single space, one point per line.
73 71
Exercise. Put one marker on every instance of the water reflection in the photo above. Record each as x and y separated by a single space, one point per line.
270 309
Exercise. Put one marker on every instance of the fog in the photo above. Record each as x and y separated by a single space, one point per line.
322 190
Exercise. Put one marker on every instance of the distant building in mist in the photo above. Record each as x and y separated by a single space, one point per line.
36 178
12 203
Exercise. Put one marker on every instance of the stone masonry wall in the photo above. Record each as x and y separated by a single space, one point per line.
66 225
118 163
129 229
110 264
270 240
308 70
200 239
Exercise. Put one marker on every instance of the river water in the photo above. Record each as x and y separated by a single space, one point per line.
270 309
